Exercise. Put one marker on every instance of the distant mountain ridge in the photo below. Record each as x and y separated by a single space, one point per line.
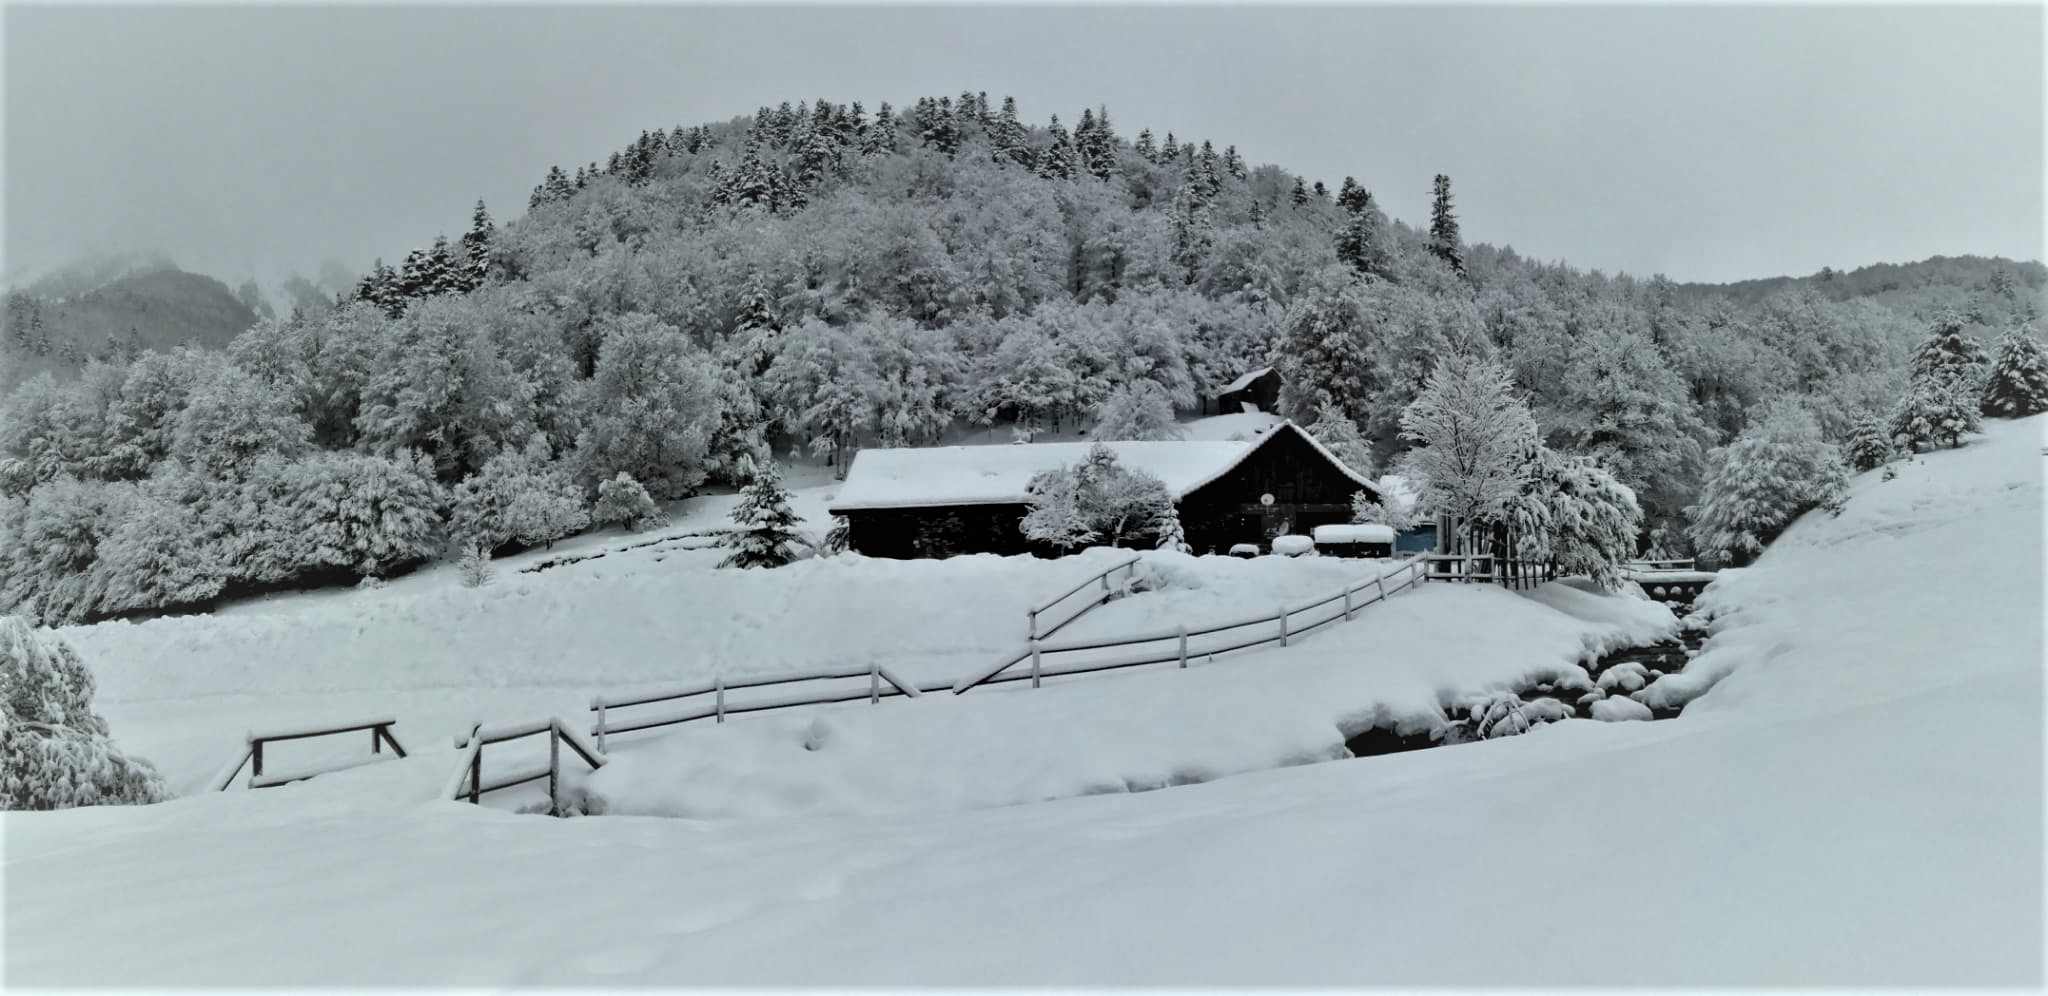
113 308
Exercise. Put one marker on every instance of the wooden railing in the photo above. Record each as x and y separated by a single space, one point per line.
252 753
1653 566
1487 568
469 779
1280 627
1096 596
882 684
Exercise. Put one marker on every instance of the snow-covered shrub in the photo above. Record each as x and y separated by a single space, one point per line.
1502 715
2018 385
49 547
622 500
1140 409
1576 515
54 750
1171 535
1776 470
764 528
475 568
839 538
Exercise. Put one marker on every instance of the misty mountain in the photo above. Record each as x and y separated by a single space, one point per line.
114 310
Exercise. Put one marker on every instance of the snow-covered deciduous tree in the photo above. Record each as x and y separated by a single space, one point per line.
1140 409
1339 434
474 569
49 547
1100 500
764 528
519 495
1473 435
623 501
1870 446
1171 535
158 554
1327 351
1776 470
1391 512
2018 385
231 419
1576 515
367 514
654 408
54 750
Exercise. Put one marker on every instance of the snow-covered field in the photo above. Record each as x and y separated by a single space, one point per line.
1857 802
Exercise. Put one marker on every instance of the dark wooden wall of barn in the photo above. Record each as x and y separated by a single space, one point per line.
1308 491
1263 391
909 533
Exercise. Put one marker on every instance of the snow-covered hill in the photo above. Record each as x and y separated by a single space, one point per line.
1857 802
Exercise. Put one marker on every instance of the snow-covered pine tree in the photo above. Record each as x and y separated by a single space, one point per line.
1444 242
55 752
839 538
1936 413
2018 385
622 500
476 247
1137 410
1171 535
764 528
1339 434
1057 160
1299 196
1948 355
1870 446
1326 355
1776 470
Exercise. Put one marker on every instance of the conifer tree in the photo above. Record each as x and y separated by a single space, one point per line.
1300 195
882 137
1146 146
1098 147
1007 137
1233 163
476 247
1944 392
1869 445
1339 434
764 529
1322 192
1171 535
2018 385
1444 242
1169 151
1056 161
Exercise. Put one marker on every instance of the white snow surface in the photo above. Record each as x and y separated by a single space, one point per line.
1856 803
1354 533
1245 379
1293 546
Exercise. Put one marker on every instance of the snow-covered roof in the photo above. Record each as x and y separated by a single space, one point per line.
1000 474
1246 381
1366 532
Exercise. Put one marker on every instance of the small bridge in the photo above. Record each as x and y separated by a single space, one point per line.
1673 582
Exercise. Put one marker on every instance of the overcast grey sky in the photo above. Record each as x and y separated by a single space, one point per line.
1707 143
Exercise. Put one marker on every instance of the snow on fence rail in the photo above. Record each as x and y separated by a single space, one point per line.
468 781
1283 626
1487 568
252 752
1095 598
877 675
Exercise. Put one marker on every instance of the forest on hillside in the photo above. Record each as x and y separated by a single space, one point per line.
821 278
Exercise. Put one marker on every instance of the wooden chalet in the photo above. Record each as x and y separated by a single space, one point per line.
1257 390
947 500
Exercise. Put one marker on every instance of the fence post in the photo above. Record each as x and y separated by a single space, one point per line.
719 687
1183 646
376 740
874 682
1034 663
1347 603
1380 581
600 726
256 757
554 768
1283 625
476 774
1034 624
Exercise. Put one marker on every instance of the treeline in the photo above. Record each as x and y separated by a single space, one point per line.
817 276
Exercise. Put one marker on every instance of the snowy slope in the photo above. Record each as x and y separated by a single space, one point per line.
1857 803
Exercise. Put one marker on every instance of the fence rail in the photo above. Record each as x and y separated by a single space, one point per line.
882 683
251 755
1106 592
1487 568
1283 627
469 783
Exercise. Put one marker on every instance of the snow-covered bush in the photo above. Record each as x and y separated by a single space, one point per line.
1776 470
764 528
1099 501
1140 409
622 500
656 408
2018 385
1576 515
54 750
367 514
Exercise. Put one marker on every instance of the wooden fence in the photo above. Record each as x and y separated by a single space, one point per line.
1095 596
1487 568
1173 645
469 779
882 683
252 753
